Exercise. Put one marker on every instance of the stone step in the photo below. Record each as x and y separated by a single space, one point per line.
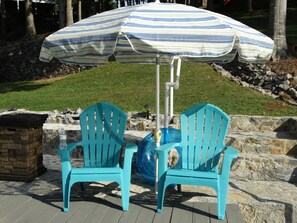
263 142
259 201
265 167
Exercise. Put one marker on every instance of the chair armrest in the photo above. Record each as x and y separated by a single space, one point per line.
162 155
70 147
165 148
130 149
229 154
65 156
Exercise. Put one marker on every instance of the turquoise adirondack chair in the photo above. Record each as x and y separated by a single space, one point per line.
203 131
102 128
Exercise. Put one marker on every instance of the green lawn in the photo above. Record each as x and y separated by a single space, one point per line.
132 86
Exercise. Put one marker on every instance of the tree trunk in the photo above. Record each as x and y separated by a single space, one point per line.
30 25
79 10
62 22
277 23
122 2
204 3
69 12
3 18
249 5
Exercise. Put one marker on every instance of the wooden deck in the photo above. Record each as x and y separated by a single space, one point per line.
41 209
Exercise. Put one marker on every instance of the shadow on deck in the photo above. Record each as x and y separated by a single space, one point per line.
48 208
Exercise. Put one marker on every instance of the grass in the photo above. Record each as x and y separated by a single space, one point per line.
132 86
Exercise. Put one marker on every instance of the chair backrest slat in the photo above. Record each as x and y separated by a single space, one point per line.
106 113
92 139
99 131
113 152
203 131
199 117
191 143
221 137
102 127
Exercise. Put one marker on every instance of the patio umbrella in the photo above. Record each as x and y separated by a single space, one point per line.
157 33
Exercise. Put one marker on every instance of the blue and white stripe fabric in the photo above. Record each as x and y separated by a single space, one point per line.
136 34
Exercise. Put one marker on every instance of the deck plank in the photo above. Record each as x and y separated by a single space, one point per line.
2 197
36 209
165 216
64 216
97 215
115 212
131 215
17 212
86 207
233 214
147 213
43 212
213 214
200 213
182 212
13 202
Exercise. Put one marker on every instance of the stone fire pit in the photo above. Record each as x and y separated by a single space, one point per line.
21 145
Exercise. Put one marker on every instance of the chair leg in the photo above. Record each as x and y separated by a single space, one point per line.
125 189
222 201
161 195
66 195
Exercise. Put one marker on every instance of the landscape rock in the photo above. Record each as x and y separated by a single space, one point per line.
260 78
19 61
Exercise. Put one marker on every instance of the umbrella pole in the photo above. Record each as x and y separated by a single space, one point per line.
171 89
158 92
157 132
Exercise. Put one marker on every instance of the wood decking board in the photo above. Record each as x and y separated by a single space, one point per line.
36 209
82 213
8 204
182 212
97 215
131 215
166 214
233 214
115 211
146 214
62 216
43 212
213 214
18 211
200 213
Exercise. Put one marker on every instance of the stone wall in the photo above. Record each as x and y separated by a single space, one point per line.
138 122
264 123
21 153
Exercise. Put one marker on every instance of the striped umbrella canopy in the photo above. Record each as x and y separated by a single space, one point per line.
136 34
